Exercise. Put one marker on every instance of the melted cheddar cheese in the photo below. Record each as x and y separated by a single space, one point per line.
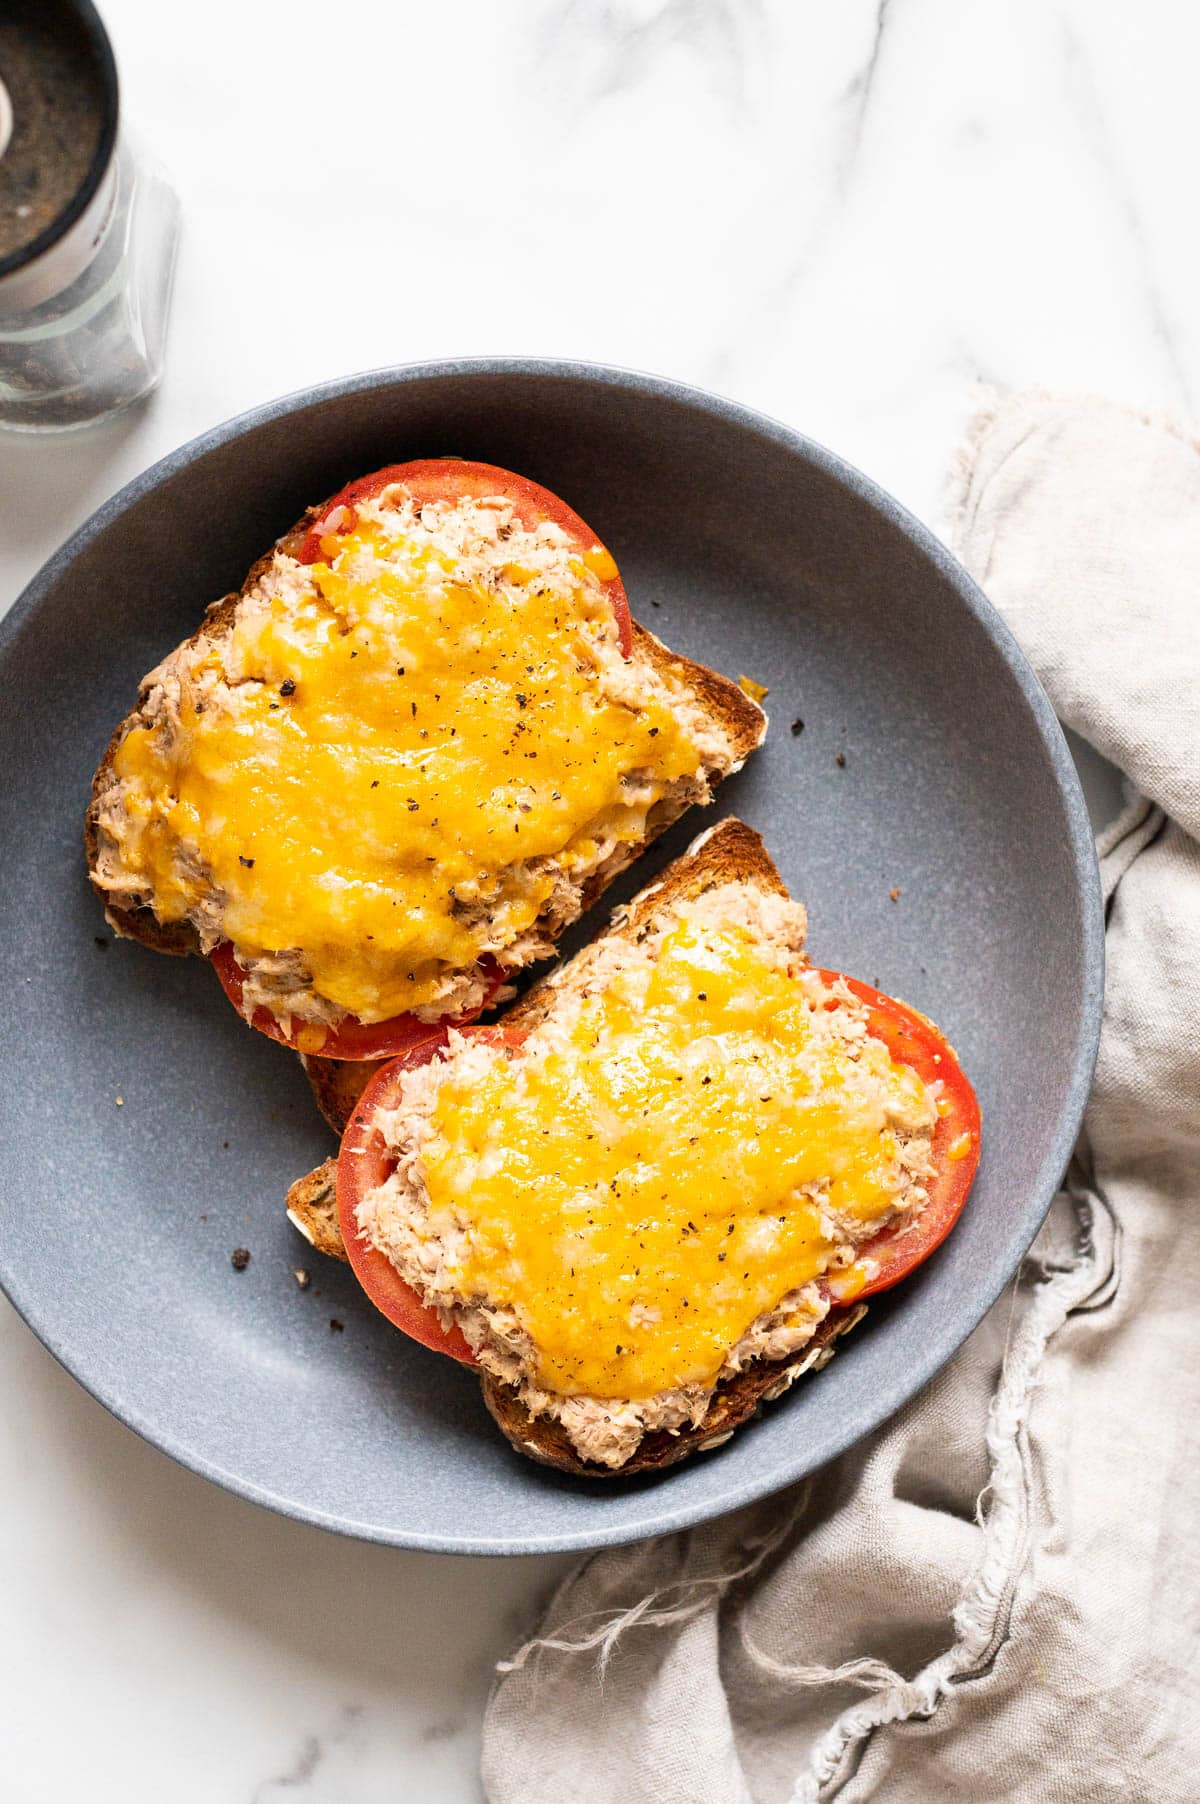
659 1168
390 757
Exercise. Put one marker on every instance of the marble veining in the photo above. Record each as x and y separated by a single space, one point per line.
314 1750
1080 85
849 215
858 96
606 47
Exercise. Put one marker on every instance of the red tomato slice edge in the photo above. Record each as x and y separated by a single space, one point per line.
350 1038
455 479
913 1040
364 1162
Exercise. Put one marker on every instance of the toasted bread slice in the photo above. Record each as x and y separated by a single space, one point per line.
721 702
728 852
337 1084
312 1210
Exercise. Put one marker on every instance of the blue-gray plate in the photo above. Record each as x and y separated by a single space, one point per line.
929 763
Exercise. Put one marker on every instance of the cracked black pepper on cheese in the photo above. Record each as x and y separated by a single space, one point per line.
671 1176
400 758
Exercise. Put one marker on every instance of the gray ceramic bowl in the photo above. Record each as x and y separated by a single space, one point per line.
742 544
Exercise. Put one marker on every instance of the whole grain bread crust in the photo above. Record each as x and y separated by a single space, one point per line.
312 1210
723 701
337 1084
730 852
736 1400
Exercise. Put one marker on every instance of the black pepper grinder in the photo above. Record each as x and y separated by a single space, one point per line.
88 227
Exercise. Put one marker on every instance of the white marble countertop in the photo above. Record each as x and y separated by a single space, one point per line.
847 215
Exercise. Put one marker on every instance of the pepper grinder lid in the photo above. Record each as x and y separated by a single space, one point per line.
59 109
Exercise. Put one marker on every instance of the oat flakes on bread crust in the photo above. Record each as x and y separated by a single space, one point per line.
728 852
724 703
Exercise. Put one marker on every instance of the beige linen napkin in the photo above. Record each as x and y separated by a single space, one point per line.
997 1597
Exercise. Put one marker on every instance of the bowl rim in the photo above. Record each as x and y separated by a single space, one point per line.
659 1517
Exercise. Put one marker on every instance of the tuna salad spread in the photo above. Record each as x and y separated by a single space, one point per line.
652 1188
391 763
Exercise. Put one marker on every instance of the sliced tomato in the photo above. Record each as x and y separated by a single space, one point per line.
364 1163
350 1038
453 479
912 1040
